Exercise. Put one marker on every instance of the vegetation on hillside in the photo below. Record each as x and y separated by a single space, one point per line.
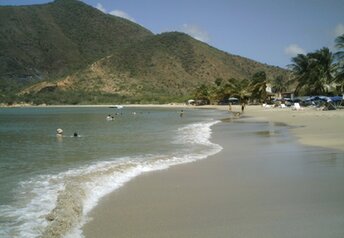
316 73
159 69
42 42
70 53
252 89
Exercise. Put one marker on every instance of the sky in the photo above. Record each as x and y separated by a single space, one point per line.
268 31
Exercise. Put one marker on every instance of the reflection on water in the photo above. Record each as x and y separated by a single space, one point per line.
267 133
327 158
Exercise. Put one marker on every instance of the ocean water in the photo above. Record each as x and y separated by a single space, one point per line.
49 184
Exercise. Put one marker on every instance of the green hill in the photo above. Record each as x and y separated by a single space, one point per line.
46 41
161 68
69 52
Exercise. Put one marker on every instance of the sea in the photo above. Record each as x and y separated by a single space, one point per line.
50 183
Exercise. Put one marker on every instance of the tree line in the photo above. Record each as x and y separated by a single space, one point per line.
316 73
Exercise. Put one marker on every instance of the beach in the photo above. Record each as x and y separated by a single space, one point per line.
279 174
310 126
50 182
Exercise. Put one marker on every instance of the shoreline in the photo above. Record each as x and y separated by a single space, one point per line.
310 126
235 192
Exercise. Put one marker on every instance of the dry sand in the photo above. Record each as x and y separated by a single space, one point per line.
311 127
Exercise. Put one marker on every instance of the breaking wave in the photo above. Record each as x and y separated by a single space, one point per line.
56 205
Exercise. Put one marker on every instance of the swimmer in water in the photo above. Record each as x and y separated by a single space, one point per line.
59 132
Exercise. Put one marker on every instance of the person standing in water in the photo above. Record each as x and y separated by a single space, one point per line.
59 132
181 113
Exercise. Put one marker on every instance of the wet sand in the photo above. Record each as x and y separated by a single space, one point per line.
310 126
262 184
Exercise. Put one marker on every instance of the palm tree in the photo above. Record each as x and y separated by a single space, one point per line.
325 59
238 88
279 85
339 79
300 68
218 92
323 70
258 86
340 45
313 72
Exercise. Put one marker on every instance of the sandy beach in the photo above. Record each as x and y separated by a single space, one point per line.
279 174
311 127
273 186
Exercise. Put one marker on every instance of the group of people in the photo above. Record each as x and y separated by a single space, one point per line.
59 133
242 107
110 118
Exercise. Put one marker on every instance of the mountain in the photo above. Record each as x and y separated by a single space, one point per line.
45 41
81 55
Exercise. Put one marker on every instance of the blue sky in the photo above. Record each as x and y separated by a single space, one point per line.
268 31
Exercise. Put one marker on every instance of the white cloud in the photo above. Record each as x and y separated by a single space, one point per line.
115 12
339 30
100 7
293 50
122 14
196 32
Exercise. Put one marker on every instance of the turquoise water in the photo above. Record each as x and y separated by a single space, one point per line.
47 179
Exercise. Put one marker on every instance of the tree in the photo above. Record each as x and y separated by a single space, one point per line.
218 82
217 92
279 85
325 59
238 88
300 68
340 45
323 70
258 86
202 92
313 72
339 78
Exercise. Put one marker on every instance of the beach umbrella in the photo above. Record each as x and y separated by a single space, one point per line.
233 99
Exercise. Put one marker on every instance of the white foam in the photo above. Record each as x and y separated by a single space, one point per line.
197 133
96 180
